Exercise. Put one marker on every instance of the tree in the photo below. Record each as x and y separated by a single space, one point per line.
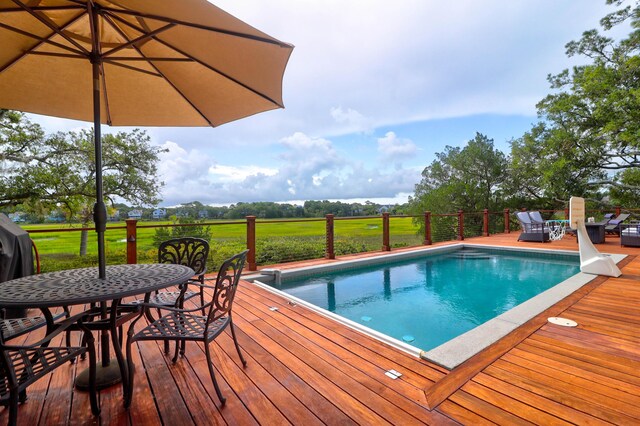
542 172
592 119
466 178
48 171
60 168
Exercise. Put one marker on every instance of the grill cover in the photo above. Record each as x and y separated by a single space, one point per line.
16 258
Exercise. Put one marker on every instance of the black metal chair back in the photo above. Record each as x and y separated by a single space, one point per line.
22 365
226 285
181 324
187 251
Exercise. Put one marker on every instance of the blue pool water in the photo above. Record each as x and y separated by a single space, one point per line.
429 300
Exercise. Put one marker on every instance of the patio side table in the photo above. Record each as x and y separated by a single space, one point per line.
595 231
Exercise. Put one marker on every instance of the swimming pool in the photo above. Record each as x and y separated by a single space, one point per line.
427 299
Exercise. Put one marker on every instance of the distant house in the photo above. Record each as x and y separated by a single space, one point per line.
383 209
17 217
159 214
135 214
115 216
55 216
203 214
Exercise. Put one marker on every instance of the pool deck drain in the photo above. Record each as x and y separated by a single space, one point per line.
563 322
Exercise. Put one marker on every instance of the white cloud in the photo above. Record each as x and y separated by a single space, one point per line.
390 146
355 121
310 169
238 173
184 173
350 75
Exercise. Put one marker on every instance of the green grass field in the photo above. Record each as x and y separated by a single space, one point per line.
276 241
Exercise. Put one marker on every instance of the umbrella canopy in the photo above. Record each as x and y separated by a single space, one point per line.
135 62
162 62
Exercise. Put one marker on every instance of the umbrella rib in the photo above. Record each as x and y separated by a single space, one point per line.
148 58
105 93
51 26
139 39
96 60
225 75
142 30
40 8
107 18
111 61
42 40
198 26
59 55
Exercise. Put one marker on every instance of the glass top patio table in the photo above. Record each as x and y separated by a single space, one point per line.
79 286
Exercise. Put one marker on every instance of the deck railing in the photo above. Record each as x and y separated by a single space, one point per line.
322 237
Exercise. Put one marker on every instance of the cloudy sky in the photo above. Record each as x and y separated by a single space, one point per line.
373 89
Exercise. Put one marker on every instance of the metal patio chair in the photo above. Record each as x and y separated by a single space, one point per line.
22 365
186 325
16 327
188 251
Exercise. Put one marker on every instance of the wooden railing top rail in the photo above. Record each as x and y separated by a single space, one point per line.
298 220
176 225
41 231
318 219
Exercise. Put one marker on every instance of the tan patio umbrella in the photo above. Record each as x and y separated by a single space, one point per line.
135 62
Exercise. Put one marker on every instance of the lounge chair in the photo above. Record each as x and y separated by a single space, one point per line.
532 230
536 217
613 226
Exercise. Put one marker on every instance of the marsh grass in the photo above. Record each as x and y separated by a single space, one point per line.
277 241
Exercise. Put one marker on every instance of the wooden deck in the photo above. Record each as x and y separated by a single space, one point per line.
306 369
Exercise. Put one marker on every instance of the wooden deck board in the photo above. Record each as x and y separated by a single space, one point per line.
304 368
585 375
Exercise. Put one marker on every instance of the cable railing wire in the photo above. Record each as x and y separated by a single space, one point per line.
283 240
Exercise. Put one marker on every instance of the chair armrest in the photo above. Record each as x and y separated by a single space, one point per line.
199 284
167 308
59 328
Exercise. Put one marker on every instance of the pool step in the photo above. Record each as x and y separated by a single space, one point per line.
471 255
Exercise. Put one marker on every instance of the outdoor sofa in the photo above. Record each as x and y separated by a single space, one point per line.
630 235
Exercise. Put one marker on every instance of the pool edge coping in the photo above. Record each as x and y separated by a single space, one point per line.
461 348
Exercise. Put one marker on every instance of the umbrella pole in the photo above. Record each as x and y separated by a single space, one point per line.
99 209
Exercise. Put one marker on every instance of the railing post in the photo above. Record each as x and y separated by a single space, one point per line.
618 211
132 241
329 252
460 225
566 214
251 242
507 224
427 228
385 232
486 222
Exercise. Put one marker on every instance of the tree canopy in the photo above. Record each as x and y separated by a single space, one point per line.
588 140
468 178
43 171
